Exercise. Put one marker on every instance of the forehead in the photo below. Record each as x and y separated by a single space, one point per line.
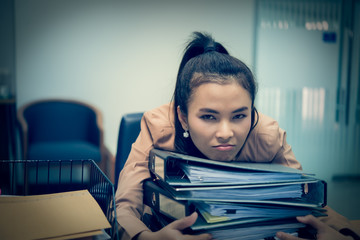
219 96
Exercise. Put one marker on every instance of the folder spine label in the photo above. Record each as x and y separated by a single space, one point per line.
159 200
171 207
158 166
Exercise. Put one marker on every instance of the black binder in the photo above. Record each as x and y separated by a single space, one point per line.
254 230
162 202
313 194
165 165
172 194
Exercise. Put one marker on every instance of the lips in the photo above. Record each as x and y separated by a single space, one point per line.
225 147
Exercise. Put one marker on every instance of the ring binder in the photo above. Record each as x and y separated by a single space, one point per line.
180 184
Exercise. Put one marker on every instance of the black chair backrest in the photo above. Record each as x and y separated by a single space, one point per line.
57 120
128 132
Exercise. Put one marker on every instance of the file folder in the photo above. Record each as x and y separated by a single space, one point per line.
65 215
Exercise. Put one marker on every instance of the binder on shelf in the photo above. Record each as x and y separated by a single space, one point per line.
171 168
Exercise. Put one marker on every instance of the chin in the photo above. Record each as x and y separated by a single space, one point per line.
225 156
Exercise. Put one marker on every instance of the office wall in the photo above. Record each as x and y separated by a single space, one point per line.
121 56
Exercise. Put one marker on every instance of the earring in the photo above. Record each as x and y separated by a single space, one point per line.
186 134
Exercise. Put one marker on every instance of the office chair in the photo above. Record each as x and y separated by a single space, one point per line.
129 130
59 129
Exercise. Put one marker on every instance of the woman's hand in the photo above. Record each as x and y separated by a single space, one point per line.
324 232
173 231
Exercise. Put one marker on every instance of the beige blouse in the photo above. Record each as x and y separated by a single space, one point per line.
266 143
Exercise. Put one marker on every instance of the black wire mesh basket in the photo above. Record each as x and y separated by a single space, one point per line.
35 177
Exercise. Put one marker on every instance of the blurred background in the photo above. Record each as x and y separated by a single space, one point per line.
122 57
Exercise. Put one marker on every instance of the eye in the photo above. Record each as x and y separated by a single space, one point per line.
239 116
207 117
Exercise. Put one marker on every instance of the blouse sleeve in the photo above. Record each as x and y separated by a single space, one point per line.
129 195
285 155
155 131
267 143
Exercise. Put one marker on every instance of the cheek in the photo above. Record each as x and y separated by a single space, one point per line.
243 129
199 127
200 131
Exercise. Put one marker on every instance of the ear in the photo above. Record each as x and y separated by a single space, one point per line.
182 118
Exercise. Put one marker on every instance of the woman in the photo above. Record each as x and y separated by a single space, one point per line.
212 116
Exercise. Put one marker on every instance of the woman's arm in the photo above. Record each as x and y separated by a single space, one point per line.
156 131
285 155
129 195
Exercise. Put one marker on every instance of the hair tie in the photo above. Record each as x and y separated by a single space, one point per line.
209 49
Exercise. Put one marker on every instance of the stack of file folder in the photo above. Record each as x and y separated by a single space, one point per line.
235 200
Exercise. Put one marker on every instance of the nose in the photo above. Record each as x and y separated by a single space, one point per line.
224 131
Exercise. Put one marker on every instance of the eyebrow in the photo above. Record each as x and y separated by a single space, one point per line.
209 110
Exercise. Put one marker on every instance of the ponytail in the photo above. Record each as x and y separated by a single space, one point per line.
201 43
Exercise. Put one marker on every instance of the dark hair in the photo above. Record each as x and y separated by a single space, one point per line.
206 61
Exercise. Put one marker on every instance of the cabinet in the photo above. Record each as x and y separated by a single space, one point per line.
7 81
7 129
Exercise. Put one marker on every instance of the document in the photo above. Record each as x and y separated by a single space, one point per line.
203 174
218 212
255 232
255 193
